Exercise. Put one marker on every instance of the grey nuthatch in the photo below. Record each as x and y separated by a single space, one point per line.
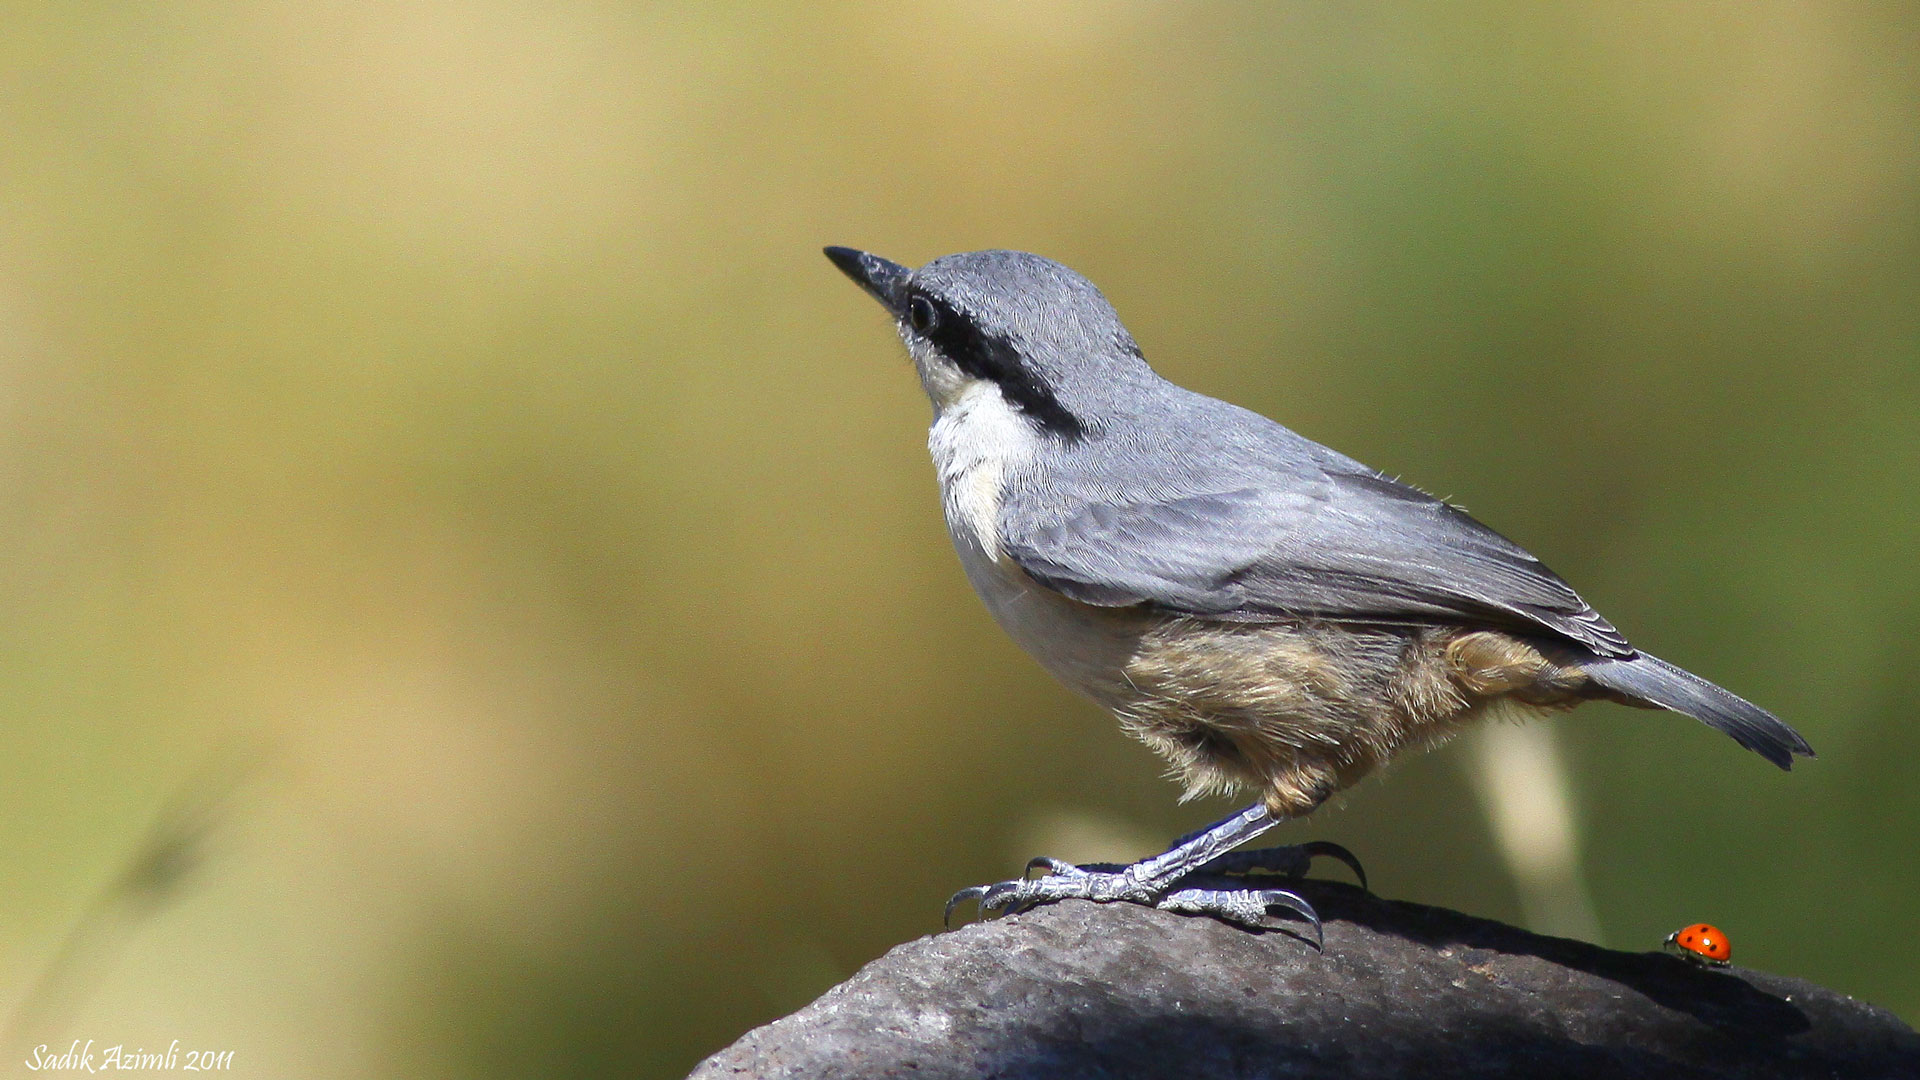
1267 614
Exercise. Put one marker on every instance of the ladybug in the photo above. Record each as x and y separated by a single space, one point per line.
1701 943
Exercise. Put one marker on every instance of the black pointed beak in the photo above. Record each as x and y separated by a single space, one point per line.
884 281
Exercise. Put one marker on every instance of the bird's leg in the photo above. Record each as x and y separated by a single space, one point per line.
1151 881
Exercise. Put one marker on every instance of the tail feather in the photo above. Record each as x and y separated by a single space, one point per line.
1653 681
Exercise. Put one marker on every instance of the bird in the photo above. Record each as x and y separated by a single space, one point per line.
1270 616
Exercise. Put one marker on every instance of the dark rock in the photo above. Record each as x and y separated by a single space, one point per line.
1083 990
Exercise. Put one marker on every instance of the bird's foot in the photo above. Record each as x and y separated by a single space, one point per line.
1250 907
1292 861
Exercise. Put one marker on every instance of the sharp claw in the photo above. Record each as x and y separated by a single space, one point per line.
1297 904
1000 899
1338 853
1051 866
971 892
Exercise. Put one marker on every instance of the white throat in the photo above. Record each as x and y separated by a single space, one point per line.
978 439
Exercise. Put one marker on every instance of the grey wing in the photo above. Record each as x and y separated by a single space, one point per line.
1333 545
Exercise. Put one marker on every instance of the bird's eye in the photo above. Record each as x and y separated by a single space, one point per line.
920 314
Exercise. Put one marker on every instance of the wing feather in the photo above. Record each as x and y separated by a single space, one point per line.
1323 543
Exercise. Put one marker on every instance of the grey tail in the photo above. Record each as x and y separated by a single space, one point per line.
1652 681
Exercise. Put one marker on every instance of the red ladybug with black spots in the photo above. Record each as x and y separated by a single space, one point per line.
1702 943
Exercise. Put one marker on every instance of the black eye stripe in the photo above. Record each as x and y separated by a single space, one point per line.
988 356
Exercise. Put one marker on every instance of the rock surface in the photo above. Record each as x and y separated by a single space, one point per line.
1083 990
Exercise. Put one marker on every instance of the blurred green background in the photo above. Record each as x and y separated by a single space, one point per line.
475 601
